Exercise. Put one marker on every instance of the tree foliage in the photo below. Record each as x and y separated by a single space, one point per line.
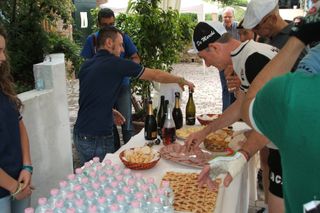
28 41
158 34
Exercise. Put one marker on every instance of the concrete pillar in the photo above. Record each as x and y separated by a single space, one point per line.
47 121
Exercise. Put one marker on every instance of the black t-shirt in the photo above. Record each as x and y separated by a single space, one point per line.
100 80
10 143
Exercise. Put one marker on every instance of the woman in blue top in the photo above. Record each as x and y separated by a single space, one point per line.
15 161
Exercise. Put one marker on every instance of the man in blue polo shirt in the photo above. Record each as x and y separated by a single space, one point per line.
123 104
100 82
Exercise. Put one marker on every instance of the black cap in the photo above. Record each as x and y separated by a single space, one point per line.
206 33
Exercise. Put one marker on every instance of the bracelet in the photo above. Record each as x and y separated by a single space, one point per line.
28 168
18 190
245 153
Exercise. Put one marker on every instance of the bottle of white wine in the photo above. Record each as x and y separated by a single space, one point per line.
190 110
150 124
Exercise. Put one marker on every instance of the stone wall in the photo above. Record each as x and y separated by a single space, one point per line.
46 118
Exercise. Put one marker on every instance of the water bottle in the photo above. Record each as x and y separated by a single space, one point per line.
79 174
71 210
136 207
139 179
95 162
103 182
29 210
96 189
114 208
92 209
53 198
102 205
86 168
69 201
90 198
93 176
168 192
132 185
117 169
144 188
168 209
42 205
110 175
122 203
72 181
107 164
163 198
85 184
109 196
114 185
155 206
79 192
127 194
64 189
127 174
80 207
152 186
39 82
59 207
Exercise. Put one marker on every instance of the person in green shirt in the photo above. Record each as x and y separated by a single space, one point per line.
284 107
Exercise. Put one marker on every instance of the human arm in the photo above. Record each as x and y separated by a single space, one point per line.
232 165
12 185
233 81
118 118
136 58
229 116
25 176
165 77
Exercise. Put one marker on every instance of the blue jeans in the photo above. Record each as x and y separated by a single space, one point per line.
89 146
227 97
7 205
124 106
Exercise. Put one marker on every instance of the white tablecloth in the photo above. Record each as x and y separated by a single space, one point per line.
235 198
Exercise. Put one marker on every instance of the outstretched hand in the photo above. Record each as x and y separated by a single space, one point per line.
187 83
204 179
195 139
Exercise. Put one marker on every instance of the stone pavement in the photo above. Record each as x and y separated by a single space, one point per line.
207 96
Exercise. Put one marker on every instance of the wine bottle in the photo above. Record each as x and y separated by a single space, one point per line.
166 103
169 129
190 110
160 114
150 124
176 112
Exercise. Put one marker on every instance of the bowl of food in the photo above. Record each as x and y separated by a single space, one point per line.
205 119
139 158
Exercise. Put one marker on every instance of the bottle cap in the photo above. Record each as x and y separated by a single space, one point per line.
96 159
135 204
71 210
42 201
101 200
78 171
59 204
29 210
63 184
54 192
